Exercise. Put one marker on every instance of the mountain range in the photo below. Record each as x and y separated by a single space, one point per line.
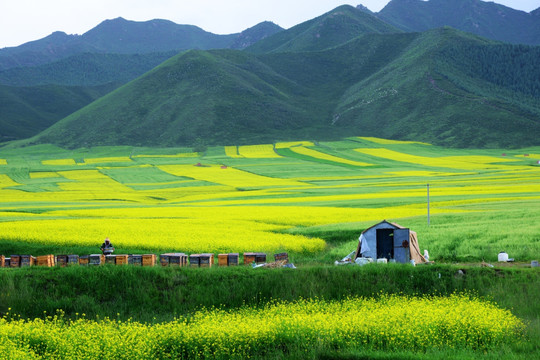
346 72
487 19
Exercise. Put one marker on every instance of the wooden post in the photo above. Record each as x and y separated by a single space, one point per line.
428 204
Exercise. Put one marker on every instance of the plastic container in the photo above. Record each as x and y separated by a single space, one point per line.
503 257
362 261
382 261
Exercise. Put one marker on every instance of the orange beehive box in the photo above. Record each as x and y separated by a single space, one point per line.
2 260
149 260
249 257
121 259
223 259
15 261
84 260
45 260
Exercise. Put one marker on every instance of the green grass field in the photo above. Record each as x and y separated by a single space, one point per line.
309 199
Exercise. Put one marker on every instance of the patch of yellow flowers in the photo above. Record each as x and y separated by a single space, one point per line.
390 323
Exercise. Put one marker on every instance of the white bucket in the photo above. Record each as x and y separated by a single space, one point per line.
503 257
382 261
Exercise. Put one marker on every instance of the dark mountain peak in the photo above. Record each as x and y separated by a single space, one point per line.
488 19
57 37
364 9
328 30
255 33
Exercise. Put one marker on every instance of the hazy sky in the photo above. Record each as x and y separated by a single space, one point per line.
26 20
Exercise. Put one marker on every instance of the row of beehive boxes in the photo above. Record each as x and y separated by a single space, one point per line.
168 259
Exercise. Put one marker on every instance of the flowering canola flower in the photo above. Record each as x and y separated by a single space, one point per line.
390 322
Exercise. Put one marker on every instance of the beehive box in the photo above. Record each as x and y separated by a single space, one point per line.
15 261
84 260
223 259
96 259
61 260
110 259
206 260
135 260
2 260
148 259
194 260
260 258
27 260
73 260
232 259
45 260
121 259
7 262
164 259
249 257
176 259
281 257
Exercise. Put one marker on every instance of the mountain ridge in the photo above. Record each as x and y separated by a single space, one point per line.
487 19
403 86
120 36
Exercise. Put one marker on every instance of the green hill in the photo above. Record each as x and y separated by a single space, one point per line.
87 69
329 30
25 111
437 92
415 86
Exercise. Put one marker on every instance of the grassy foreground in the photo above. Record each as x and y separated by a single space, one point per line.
158 295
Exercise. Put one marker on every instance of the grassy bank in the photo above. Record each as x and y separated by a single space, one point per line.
131 291
155 295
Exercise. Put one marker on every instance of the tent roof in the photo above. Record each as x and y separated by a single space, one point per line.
388 222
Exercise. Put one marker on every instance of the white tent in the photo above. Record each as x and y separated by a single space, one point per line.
391 241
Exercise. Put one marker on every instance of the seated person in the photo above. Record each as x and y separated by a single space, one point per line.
107 247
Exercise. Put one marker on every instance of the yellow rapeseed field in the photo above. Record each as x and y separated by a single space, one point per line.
258 151
227 176
44 174
390 142
389 323
320 155
284 145
5 181
107 159
232 151
451 162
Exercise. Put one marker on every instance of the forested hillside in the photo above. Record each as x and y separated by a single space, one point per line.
87 69
414 86
25 111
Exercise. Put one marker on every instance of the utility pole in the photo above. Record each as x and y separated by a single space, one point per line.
428 204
